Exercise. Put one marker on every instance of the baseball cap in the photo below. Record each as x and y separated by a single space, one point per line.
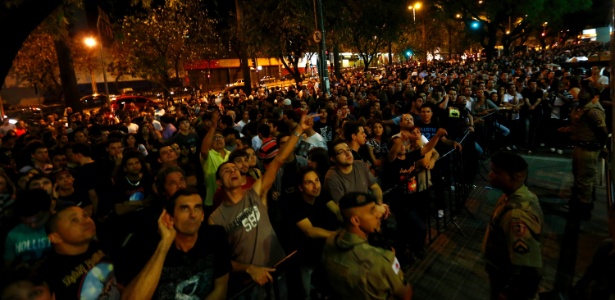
286 102
356 199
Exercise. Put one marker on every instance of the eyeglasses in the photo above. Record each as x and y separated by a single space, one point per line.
218 137
343 151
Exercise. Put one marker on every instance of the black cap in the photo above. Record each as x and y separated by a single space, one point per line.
356 199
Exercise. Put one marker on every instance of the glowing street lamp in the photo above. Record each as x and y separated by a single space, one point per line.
91 43
414 8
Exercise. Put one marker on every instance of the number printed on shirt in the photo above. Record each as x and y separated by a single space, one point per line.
252 216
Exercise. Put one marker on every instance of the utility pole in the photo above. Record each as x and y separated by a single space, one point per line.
322 57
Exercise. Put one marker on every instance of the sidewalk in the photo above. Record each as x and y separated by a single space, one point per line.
454 267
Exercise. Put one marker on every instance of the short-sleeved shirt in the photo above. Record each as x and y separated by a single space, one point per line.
358 270
210 166
26 244
359 180
249 231
584 120
90 275
513 238
192 274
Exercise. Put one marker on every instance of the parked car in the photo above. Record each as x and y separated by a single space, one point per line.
239 82
267 79
93 101
287 77
139 102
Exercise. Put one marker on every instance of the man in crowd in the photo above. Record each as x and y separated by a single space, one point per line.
348 174
78 268
186 140
213 154
191 260
28 241
39 156
243 214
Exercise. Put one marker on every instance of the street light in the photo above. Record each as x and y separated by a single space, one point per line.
91 43
414 8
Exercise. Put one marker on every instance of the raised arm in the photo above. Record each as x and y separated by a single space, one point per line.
208 140
434 140
263 184
144 285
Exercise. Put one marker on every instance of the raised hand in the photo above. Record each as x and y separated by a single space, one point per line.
166 229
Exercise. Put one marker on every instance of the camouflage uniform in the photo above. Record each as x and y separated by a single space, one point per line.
356 270
512 245
585 122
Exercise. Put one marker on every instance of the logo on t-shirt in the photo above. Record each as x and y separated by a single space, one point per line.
100 283
248 219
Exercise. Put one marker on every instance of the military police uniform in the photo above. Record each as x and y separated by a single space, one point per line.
587 127
512 246
357 270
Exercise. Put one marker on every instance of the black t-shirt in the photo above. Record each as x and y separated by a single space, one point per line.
325 130
455 121
533 98
396 173
77 198
97 176
192 274
90 275
132 191
295 209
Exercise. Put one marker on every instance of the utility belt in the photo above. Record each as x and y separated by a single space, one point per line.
591 146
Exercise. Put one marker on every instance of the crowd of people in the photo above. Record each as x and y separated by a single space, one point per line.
242 197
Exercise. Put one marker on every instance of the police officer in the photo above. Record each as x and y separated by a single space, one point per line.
355 269
589 135
512 243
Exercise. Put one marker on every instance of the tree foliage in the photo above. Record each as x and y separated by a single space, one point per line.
158 42
281 29
517 17
370 25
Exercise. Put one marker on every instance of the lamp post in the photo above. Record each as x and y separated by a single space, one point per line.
414 8
91 42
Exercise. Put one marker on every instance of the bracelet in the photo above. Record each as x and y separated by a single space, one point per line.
296 134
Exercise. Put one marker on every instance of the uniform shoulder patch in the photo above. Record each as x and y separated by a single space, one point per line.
520 247
519 228
396 266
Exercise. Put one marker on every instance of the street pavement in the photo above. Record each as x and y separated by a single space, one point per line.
454 266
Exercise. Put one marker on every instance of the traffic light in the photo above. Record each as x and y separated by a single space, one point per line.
408 53
475 24
254 63
542 34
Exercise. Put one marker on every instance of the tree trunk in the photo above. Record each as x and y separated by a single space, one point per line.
67 74
243 51
491 41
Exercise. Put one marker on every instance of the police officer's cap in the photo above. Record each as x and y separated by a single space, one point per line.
356 199
509 162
